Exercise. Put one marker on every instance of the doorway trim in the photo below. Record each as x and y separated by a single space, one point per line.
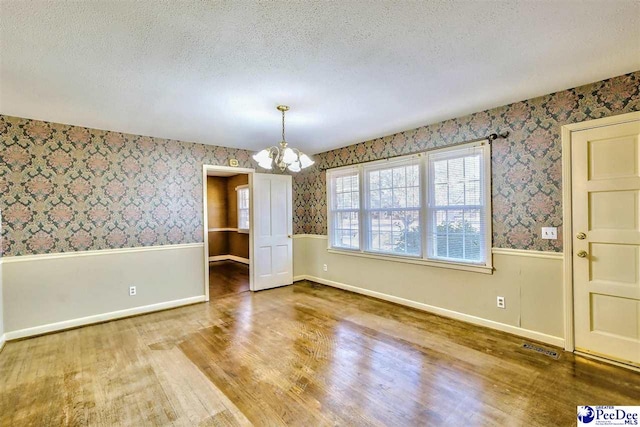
205 221
567 230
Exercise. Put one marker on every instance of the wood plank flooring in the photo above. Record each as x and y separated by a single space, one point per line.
227 278
304 355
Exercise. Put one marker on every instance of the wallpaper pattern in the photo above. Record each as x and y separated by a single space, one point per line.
526 167
68 188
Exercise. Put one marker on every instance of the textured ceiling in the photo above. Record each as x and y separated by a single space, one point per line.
213 72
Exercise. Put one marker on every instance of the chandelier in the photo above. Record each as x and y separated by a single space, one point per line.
282 156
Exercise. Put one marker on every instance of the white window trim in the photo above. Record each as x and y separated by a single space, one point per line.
238 188
342 171
485 146
423 259
364 205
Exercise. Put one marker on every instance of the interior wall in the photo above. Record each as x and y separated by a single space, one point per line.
526 195
530 282
217 204
68 188
238 242
67 191
222 212
2 338
526 167
217 215
232 197
51 292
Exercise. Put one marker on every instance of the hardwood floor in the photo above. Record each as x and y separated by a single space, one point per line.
302 355
227 278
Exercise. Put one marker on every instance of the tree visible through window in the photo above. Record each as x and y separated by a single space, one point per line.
345 206
434 206
456 208
393 209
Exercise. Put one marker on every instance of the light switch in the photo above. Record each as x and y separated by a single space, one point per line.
550 233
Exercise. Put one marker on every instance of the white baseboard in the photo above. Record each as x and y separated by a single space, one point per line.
3 340
229 258
515 330
98 318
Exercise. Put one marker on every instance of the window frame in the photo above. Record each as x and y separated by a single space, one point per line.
485 178
425 197
240 188
366 208
337 173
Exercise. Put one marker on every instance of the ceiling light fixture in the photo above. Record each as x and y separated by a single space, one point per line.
283 157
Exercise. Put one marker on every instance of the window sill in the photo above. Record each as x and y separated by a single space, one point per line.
419 261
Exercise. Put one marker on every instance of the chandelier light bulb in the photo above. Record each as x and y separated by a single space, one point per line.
294 167
289 156
265 164
305 161
262 156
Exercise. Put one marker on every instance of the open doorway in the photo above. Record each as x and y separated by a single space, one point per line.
228 230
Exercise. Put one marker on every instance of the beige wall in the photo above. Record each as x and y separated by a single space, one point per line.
1 292
1 308
530 281
47 292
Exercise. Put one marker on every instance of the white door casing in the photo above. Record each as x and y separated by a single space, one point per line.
605 187
273 229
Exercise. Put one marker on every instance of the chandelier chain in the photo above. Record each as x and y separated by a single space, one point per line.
283 140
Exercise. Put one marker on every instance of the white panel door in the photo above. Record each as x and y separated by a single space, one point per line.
273 227
606 241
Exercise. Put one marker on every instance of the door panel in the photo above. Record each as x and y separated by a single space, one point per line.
615 316
273 219
614 210
613 157
606 208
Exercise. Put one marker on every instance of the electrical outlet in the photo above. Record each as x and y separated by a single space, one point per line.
324 267
550 233
500 302
132 291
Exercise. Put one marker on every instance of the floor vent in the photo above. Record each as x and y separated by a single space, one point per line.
551 353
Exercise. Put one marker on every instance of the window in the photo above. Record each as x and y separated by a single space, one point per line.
242 192
432 207
344 208
457 206
392 208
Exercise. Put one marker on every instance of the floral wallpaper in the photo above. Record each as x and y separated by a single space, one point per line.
526 167
68 188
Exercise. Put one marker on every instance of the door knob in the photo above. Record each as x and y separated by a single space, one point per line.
581 236
582 254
